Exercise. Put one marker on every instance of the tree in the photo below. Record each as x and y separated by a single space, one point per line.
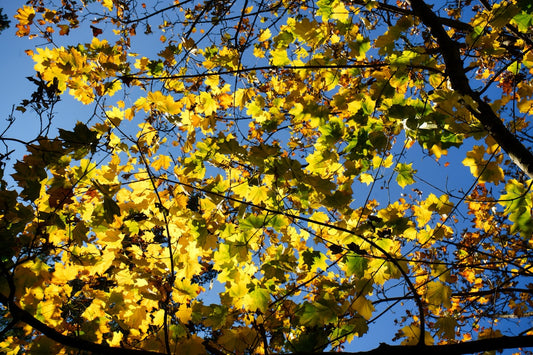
273 177
4 22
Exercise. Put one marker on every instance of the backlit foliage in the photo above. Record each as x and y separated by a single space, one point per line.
271 176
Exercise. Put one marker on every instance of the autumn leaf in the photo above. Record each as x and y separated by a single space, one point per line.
279 57
438 294
162 162
412 333
96 31
317 313
257 300
238 194
487 171
363 307
405 174
446 327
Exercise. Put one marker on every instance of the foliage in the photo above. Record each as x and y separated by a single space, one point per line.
272 176
4 22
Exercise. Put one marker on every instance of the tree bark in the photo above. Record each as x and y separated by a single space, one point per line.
518 153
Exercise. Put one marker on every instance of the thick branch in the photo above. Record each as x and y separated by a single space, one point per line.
23 316
448 349
518 153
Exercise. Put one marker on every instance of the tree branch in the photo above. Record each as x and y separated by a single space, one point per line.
449 50
74 342
448 349
389 257
458 25
128 78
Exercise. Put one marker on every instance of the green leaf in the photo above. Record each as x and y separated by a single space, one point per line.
405 174
356 265
215 315
446 327
257 300
111 209
438 294
81 139
311 340
518 203
525 5
156 67
333 131
523 20
252 222
309 257
318 313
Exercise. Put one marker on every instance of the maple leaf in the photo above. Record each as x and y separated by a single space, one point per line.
279 57
162 162
438 294
277 229
405 174
318 313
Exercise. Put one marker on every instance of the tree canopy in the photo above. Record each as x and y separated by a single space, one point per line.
271 176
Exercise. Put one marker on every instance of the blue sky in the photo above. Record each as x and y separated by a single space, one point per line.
16 66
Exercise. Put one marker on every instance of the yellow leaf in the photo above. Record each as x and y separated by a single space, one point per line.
378 161
265 34
339 12
366 178
437 151
212 82
279 57
95 310
108 4
243 96
163 103
207 104
162 162
25 15
423 214
83 93
258 194
115 341
363 307
485 170
438 294
115 115
184 313
410 233
412 333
